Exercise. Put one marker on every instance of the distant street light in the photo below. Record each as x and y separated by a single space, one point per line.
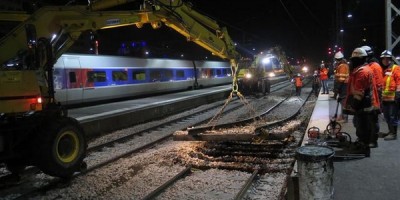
349 15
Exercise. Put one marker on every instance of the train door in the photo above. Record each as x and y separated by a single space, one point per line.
74 80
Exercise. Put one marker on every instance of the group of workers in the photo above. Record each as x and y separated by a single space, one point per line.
365 89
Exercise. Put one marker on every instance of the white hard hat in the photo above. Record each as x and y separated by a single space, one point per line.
298 74
359 53
339 55
368 49
386 54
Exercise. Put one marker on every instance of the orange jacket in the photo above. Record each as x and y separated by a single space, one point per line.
378 74
323 74
298 82
342 72
362 80
391 82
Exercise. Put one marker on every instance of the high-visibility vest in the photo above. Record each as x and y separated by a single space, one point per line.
298 82
362 85
378 74
390 85
323 74
342 73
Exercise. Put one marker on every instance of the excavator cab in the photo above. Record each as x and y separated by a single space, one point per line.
20 90
35 130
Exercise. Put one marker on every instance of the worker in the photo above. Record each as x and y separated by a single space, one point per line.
362 101
378 76
323 76
373 63
390 94
341 79
298 83
316 83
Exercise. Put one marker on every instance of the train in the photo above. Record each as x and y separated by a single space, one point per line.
88 78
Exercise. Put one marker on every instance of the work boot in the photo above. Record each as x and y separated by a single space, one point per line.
391 136
373 144
359 148
373 141
382 134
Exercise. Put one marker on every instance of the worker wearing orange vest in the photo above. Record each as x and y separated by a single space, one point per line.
323 76
376 68
378 76
341 74
362 101
341 79
390 94
298 83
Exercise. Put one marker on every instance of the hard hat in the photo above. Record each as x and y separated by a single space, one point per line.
368 49
298 74
386 54
359 53
339 55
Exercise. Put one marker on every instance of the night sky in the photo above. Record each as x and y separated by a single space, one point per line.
304 28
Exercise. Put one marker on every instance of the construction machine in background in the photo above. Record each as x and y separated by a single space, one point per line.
34 128
266 66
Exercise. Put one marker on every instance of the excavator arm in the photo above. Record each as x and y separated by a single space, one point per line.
70 21
62 26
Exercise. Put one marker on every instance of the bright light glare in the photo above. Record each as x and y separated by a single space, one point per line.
265 60
248 75
53 37
271 74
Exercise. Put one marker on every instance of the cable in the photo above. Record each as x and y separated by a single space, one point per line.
294 22
309 11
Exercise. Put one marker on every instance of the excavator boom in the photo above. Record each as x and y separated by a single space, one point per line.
51 22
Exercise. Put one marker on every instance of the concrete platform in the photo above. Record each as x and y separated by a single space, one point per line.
371 178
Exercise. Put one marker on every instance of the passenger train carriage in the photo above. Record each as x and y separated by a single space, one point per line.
85 78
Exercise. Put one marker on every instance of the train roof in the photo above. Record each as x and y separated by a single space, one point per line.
106 61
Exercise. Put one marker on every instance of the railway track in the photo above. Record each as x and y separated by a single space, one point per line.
53 183
256 157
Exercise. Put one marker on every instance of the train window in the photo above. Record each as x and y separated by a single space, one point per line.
228 72
218 72
223 72
155 75
180 74
96 76
139 75
119 75
168 75
72 77
212 73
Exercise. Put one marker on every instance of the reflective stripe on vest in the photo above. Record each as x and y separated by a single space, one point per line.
387 94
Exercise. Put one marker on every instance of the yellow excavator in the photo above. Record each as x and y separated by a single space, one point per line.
257 76
34 128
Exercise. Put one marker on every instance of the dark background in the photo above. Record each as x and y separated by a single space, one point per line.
305 29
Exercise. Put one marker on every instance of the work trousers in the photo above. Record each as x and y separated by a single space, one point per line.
324 84
366 126
390 112
298 91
